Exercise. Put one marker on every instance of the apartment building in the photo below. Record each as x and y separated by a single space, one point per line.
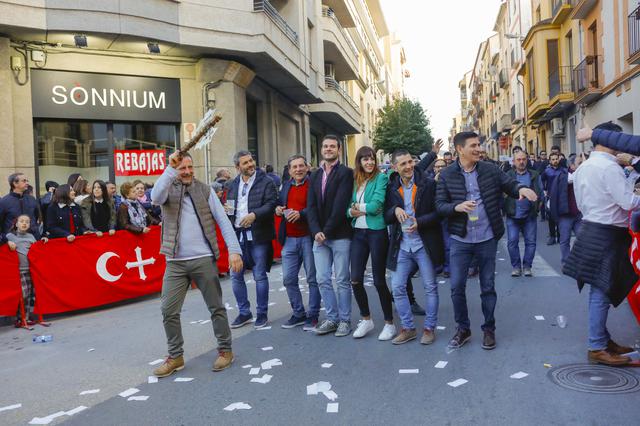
83 80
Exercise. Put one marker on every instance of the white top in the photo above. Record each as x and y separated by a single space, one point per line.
603 193
242 203
79 198
361 221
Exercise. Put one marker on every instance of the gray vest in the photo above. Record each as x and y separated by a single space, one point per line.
171 209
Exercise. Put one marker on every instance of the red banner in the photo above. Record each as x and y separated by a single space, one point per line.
634 295
95 271
139 162
10 287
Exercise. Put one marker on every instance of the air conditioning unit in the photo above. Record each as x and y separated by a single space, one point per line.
557 127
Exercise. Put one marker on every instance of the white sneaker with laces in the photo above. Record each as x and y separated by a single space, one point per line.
364 326
388 332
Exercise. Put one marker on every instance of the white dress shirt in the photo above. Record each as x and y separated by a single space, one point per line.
603 193
242 203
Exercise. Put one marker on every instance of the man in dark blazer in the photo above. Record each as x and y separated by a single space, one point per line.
251 203
327 203
469 194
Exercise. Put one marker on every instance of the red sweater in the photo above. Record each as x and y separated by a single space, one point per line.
297 200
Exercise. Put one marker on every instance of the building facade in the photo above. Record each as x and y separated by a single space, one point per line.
85 81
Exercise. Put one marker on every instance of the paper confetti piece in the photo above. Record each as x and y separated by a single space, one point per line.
91 349
331 395
539 317
129 392
10 407
157 361
409 371
441 327
254 371
138 398
237 406
264 328
89 392
183 379
332 407
457 383
441 364
326 365
271 363
76 410
152 379
519 375
264 379
246 366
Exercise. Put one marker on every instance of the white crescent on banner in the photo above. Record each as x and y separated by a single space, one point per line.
101 267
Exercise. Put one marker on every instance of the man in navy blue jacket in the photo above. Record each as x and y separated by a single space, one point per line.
251 203
18 202
548 176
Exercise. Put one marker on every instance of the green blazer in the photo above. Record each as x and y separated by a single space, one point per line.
373 199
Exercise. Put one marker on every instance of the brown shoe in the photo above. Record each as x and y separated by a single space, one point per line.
428 337
614 348
405 336
223 361
169 366
606 358
489 340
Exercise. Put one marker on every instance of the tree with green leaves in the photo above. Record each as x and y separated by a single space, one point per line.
403 124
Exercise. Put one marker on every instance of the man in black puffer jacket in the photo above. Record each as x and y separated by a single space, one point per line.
251 203
469 194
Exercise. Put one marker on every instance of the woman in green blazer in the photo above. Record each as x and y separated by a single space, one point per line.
369 237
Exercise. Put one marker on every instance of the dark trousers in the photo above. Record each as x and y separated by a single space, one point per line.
553 228
367 242
461 257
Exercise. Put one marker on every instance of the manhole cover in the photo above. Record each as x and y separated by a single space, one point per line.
594 378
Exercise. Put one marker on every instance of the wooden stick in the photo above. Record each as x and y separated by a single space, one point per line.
196 138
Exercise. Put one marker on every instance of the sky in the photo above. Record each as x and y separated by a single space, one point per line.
440 39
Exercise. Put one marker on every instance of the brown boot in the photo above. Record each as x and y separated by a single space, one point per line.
428 337
223 361
169 366
606 358
405 336
615 348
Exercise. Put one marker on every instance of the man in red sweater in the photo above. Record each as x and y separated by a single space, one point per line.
297 245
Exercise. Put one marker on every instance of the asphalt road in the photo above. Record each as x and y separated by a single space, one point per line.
109 349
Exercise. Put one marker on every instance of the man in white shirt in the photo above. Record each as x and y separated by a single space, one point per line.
600 254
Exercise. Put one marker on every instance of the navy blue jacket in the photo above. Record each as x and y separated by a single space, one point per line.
263 197
328 214
282 201
13 205
427 218
58 223
617 141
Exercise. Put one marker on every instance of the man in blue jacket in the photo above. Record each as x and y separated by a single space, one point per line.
16 203
251 203
548 176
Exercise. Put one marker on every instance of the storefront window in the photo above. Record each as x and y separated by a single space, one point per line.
72 147
66 147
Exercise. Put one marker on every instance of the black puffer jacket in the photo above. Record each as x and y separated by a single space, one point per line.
452 191
263 198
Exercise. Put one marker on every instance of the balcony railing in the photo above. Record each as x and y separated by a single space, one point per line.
268 9
585 75
331 83
329 13
557 5
503 78
634 33
560 82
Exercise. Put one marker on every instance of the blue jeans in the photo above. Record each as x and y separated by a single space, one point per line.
529 229
296 252
567 224
406 263
334 253
598 311
485 255
260 255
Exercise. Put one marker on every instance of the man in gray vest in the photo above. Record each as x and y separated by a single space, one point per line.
190 211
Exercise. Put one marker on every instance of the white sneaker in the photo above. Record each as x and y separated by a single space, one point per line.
388 332
364 326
